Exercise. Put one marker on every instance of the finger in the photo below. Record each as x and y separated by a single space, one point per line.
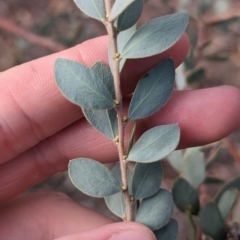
46 216
32 106
115 231
204 116
54 215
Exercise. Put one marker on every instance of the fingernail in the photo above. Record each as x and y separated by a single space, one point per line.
132 235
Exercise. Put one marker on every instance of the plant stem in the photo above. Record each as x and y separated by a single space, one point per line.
118 102
191 223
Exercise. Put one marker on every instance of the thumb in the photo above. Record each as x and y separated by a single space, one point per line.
115 231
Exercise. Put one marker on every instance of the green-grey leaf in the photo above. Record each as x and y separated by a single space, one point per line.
93 178
155 212
93 8
147 179
227 201
168 232
103 120
118 7
234 183
153 90
176 160
155 144
194 168
124 36
190 151
211 222
105 74
130 16
156 36
116 204
184 195
81 85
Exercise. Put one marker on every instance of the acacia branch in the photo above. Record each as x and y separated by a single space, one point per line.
117 86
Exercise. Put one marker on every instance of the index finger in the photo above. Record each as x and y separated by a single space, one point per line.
31 106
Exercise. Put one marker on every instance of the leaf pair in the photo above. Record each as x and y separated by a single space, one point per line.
104 121
151 39
116 203
156 207
92 89
96 180
80 85
155 37
126 12
191 164
144 175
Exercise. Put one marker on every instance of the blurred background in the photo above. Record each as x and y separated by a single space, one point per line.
32 29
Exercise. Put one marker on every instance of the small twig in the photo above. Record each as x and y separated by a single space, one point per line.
191 223
118 107
30 37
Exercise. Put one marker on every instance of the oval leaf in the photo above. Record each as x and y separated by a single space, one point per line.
104 121
234 183
185 196
168 232
153 90
118 7
155 144
176 160
211 222
116 204
194 168
81 85
156 36
123 37
93 178
93 8
155 212
147 179
227 201
130 16
105 74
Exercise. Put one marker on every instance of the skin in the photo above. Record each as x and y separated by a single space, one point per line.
40 131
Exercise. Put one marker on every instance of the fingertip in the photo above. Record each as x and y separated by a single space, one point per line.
115 231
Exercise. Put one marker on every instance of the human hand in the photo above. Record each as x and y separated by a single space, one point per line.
40 131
